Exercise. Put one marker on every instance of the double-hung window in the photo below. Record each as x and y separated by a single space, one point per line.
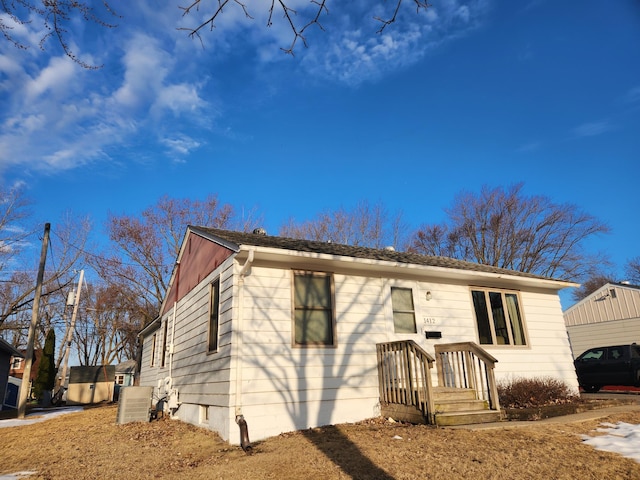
214 310
313 312
404 315
165 335
498 317
153 350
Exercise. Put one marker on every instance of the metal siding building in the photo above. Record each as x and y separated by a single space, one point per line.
609 316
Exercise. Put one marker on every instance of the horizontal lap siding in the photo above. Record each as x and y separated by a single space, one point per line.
149 374
201 377
448 312
286 387
613 332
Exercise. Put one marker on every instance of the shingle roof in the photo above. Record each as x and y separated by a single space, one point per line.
10 349
329 248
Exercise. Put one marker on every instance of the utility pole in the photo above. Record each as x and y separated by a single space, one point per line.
28 361
76 302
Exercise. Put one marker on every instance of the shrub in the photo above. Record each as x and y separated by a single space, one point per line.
46 376
534 392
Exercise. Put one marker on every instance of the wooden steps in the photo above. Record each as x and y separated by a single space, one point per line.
458 406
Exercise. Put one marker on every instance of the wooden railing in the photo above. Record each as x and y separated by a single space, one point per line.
404 373
467 365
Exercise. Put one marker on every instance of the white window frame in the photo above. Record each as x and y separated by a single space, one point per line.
510 343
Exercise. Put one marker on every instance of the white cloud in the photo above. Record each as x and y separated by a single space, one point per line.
352 53
529 147
57 115
180 146
54 79
592 129
633 95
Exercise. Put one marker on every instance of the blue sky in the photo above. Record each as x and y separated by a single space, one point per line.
454 97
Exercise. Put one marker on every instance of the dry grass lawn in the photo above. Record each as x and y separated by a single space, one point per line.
90 445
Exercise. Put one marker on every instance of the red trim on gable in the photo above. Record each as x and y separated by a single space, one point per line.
199 259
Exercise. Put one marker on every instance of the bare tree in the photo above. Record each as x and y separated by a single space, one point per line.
590 285
313 11
632 270
144 249
505 228
68 239
106 329
57 15
365 225
14 210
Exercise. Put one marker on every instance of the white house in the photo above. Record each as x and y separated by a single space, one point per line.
277 334
609 316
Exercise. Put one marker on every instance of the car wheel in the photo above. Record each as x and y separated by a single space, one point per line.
591 388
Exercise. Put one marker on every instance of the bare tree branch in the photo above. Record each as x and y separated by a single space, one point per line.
55 15
504 228
386 22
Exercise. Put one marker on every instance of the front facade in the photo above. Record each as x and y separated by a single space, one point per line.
608 316
282 333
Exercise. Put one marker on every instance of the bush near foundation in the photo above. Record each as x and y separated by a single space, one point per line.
534 392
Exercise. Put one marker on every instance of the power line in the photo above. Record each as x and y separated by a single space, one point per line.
100 257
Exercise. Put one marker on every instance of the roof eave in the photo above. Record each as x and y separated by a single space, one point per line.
278 255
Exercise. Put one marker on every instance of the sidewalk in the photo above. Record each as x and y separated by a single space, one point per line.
574 417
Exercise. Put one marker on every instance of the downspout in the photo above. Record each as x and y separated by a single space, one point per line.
242 423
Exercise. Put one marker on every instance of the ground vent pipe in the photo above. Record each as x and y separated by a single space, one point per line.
244 434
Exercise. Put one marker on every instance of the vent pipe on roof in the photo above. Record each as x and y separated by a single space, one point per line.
390 248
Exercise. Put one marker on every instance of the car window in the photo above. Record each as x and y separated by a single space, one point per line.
615 353
593 354
635 351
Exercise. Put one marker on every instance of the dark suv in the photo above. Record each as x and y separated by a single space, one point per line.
615 365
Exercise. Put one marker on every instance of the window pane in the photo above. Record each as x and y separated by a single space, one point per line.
482 317
214 308
402 299
404 319
404 322
311 291
313 309
313 326
516 321
499 318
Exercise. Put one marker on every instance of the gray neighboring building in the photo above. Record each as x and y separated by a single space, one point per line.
6 352
609 316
